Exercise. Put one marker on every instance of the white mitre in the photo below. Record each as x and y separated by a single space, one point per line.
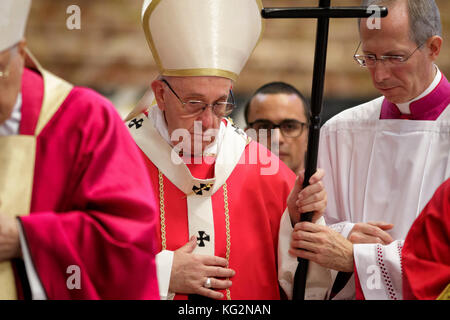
13 19
202 37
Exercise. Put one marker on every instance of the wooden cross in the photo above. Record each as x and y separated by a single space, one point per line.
323 13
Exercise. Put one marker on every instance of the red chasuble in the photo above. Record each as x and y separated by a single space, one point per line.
426 252
256 203
91 205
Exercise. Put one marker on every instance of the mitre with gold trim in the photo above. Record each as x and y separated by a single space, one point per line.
202 37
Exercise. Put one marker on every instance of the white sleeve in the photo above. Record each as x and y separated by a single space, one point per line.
37 290
318 280
379 270
164 261
343 228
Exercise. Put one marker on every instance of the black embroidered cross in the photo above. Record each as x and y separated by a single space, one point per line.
203 237
135 122
199 191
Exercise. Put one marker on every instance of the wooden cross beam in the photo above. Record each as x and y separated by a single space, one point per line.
323 13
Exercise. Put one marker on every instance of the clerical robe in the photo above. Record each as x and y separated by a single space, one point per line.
92 209
232 203
426 251
382 167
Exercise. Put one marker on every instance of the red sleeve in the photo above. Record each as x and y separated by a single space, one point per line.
359 292
92 206
426 252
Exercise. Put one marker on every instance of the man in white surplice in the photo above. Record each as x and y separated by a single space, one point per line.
384 159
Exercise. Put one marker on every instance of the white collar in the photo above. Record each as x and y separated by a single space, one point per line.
12 125
159 122
404 107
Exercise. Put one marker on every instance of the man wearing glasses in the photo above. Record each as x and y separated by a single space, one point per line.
279 115
384 159
220 210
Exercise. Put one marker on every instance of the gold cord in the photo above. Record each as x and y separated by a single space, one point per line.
227 226
163 220
162 211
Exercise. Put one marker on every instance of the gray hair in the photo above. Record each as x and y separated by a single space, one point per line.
424 17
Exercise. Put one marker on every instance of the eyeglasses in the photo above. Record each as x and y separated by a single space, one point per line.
370 60
289 128
195 107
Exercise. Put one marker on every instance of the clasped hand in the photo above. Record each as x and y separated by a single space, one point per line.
329 248
190 272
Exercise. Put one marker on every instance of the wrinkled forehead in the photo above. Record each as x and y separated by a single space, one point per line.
192 80
201 84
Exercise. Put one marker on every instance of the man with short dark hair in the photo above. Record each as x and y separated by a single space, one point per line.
279 115
384 159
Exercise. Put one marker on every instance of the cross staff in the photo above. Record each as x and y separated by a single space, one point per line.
323 13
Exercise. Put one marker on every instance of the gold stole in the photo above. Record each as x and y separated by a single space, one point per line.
445 295
17 159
